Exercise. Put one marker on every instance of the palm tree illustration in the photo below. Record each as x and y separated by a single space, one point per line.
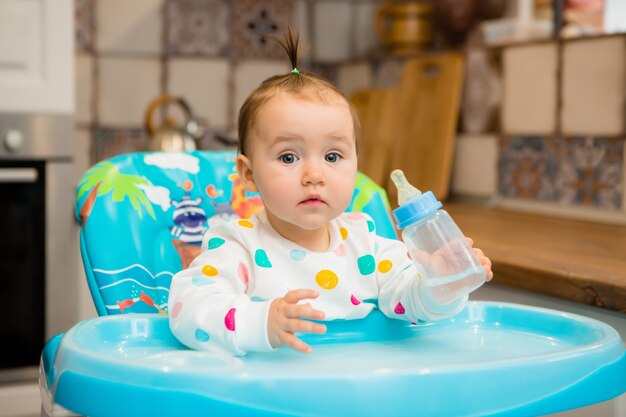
105 178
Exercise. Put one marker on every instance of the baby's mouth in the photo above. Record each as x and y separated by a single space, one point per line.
312 199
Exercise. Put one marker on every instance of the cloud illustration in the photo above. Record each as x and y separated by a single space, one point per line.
173 160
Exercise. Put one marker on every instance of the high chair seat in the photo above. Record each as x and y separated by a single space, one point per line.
142 217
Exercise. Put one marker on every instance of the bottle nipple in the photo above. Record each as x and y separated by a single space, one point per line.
406 192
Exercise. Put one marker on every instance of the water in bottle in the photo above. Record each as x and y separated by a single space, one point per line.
450 266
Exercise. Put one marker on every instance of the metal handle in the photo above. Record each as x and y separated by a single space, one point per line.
18 175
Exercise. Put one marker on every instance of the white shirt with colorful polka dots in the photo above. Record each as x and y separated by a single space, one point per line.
222 300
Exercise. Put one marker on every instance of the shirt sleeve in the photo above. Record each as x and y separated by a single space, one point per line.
208 305
402 293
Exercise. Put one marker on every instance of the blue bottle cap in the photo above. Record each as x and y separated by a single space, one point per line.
416 209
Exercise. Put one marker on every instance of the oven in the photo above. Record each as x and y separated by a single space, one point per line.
38 238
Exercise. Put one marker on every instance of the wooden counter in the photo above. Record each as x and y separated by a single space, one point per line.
575 260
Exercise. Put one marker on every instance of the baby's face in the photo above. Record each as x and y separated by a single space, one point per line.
303 160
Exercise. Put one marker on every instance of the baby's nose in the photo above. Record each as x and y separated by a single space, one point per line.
312 174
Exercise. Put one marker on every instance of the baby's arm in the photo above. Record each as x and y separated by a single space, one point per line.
208 306
402 293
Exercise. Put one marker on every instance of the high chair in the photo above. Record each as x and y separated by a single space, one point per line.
142 217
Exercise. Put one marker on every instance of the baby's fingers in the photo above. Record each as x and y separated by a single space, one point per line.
293 296
486 262
305 326
304 311
289 339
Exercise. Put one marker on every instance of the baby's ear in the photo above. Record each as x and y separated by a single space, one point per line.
244 167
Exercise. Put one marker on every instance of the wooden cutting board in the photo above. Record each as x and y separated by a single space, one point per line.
426 115
376 109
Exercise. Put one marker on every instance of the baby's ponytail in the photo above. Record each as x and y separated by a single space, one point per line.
299 82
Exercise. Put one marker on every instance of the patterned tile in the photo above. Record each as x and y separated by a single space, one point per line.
591 172
527 168
84 24
252 19
108 142
197 27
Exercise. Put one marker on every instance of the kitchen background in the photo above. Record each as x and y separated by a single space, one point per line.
544 122
541 126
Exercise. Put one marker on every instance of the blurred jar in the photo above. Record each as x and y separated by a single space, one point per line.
404 27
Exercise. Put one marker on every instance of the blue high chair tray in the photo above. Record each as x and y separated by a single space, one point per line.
491 360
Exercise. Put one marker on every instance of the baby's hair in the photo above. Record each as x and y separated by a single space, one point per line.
299 82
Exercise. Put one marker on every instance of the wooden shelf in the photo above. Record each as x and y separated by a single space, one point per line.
575 260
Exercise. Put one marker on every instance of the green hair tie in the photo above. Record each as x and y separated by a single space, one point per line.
295 71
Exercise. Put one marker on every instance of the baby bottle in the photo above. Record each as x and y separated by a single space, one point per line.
450 267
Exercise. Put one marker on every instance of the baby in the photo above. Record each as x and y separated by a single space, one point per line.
258 280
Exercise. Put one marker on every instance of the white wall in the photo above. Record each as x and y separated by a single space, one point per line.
615 16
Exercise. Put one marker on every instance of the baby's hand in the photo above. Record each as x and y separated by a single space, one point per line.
486 262
450 258
284 320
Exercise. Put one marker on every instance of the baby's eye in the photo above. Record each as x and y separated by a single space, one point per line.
288 158
332 157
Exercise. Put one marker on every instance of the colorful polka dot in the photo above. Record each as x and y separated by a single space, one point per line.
376 247
201 336
340 251
242 272
367 264
385 266
297 254
371 226
355 301
176 309
200 281
356 216
344 233
209 270
215 243
261 259
229 319
246 223
257 299
327 279
399 309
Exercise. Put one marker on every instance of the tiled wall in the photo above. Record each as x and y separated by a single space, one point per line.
551 115
560 126
207 51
